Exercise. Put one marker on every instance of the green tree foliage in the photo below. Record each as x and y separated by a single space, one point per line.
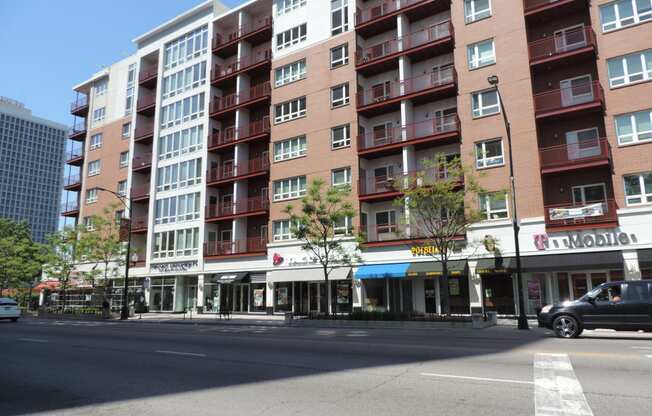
20 257
63 257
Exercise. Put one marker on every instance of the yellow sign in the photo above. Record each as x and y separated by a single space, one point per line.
424 250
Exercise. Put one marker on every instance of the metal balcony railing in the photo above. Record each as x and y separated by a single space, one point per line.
80 102
74 154
139 223
228 170
574 153
225 248
589 212
72 180
140 191
228 68
248 205
147 73
393 135
242 31
559 99
146 99
69 206
561 43
141 161
233 100
375 12
228 134
143 129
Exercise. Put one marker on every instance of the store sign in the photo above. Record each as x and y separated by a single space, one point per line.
302 261
593 210
424 250
584 240
174 267
277 259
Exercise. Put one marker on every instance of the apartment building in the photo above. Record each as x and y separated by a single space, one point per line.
236 111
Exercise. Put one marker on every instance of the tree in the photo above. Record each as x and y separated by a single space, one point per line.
322 224
20 257
63 256
439 209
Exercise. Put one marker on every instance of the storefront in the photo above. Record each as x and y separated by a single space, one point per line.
645 263
382 287
239 292
429 274
161 298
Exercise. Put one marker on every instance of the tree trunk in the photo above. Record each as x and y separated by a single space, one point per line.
328 298
443 290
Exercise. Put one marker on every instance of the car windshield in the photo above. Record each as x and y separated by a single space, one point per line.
592 294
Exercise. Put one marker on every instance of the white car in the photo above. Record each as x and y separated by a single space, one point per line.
9 309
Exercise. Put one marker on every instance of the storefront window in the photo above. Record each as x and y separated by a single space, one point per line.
258 297
162 294
211 297
458 294
283 297
375 296
341 296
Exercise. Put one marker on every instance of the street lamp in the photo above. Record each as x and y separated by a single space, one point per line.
124 311
522 318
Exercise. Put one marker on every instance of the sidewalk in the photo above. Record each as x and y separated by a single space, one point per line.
210 319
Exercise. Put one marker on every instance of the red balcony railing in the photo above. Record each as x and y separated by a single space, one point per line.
532 5
73 154
140 191
222 137
69 206
378 51
147 74
146 99
246 206
393 135
578 214
387 91
139 223
229 171
378 185
144 129
228 134
560 44
229 68
225 248
375 12
143 161
564 98
80 103
260 23
384 232
395 183
72 180
233 100
574 153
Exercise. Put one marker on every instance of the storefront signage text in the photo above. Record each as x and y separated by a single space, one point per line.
174 267
302 261
424 250
584 240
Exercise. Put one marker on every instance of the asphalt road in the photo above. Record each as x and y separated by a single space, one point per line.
73 368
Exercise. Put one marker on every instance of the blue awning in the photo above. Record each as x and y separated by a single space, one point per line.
382 271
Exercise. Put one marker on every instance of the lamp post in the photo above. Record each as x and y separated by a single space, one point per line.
124 311
522 318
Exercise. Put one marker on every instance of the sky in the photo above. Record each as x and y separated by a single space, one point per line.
48 46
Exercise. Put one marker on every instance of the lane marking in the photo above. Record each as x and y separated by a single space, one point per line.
189 354
649 356
557 391
40 341
496 380
642 348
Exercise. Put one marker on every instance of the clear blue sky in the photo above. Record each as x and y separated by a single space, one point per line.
47 46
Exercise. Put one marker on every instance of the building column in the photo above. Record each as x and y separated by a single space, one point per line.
178 300
437 296
269 296
550 288
631 266
475 288
357 293
200 291
516 294
148 290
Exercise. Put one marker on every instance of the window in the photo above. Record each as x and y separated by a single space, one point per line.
290 73
190 108
131 82
476 10
94 168
290 37
184 80
98 115
124 159
340 95
180 143
91 195
119 215
339 16
634 127
290 148
343 226
481 54
289 188
341 176
340 55
96 141
100 88
177 209
493 206
126 130
624 13
386 222
186 47
589 194
178 175
281 230
177 243
286 6
638 189
88 224
290 110
341 136
489 153
629 69
122 188
485 103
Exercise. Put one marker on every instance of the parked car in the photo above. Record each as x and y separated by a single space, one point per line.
9 309
623 306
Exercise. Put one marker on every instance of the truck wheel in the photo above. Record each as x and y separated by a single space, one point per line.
566 326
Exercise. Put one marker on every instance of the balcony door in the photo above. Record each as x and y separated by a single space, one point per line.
570 38
581 144
381 92
383 134
382 178
444 120
227 168
386 225
227 204
589 194
576 90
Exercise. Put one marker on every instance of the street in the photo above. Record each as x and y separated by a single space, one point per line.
137 368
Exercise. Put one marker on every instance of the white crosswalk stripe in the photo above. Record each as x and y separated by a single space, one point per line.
557 392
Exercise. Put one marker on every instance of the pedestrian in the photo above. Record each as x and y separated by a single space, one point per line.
105 309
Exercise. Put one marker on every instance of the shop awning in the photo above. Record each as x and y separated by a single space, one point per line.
435 269
257 277
496 265
237 277
576 261
645 258
382 271
309 275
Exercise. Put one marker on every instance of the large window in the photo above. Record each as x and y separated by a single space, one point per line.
290 73
340 177
493 206
96 141
91 195
176 243
476 10
630 68
634 127
98 115
94 167
489 153
122 188
100 87
341 136
624 13
291 37
290 148
186 47
290 110
481 54
289 188
177 208
131 83
181 142
638 189
286 6
340 55
340 95
343 226
126 130
178 175
184 80
281 230
190 108
339 16
485 103
124 159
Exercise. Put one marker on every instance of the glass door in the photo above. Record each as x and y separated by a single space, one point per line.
588 194
582 144
570 38
313 295
576 91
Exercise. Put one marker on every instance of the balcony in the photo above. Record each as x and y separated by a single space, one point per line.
77 131
142 163
384 141
590 214
258 205
579 98
419 45
384 188
251 246
550 9
257 61
229 172
144 132
563 49
146 102
147 76
256 32
227 137
79 107
140 193
139 225
72 182
386 97
381 18
569 157
70 209
222 106
75 157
